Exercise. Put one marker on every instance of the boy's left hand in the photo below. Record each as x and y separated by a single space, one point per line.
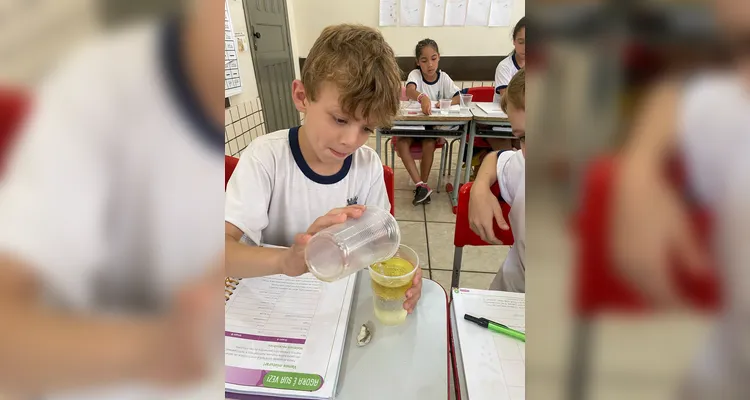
414 293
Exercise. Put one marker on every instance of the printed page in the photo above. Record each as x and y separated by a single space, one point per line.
494 364
411 13
434 12
284 335
500 11
388 13
478 13
455 13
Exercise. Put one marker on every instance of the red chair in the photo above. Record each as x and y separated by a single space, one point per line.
481 94
230 163
13 108
597 286
389 179
464 236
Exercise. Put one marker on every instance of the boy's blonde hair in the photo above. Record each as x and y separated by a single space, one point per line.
363 67
515 94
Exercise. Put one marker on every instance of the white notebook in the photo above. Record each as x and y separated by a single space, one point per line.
284 336
492 109
494 364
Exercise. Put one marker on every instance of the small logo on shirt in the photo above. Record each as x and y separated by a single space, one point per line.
352 201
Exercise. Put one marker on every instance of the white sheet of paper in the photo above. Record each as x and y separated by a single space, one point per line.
411 13
478 12
455 13
434 12
492 109
494 364
408 127
500 12
388 13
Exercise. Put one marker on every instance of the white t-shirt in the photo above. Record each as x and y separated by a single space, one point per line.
273 193
511 177
714 127
113 195
505 71
442 88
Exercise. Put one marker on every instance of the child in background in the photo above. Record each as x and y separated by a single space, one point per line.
513 63
508 169
290 184
427 85
505 71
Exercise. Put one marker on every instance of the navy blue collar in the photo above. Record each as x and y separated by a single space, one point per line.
428 82
513 57
305 167
183 93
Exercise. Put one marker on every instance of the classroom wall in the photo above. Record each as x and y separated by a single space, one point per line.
312 16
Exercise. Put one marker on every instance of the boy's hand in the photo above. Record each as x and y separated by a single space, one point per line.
649 231
483 209
426 105
294 260
414 293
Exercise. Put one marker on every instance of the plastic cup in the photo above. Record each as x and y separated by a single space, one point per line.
390 281
445 106
466 101
346 248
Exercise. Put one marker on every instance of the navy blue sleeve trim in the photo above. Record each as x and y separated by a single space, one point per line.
411 83
499 88
457 93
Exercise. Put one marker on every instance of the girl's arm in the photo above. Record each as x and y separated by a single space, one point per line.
411 92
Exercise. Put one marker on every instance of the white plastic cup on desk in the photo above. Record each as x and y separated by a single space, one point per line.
445 106
466 101
343 249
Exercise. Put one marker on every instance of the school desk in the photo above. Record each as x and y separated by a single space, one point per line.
454 118
409 361
482 126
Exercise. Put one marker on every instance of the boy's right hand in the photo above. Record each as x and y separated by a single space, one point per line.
426 105
484 209
294 259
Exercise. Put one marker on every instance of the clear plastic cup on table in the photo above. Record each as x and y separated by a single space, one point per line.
466 100
343 249
445 106
390 281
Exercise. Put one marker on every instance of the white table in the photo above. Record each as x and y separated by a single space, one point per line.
481 117
409 361
408 117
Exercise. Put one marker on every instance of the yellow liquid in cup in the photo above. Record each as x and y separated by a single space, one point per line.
390 294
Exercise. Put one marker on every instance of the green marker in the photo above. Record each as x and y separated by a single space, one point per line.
495 327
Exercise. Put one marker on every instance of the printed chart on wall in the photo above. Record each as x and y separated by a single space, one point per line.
491 13
232 81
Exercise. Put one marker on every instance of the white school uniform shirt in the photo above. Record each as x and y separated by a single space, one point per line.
714 127
273 193
442 88
504 72
511 177
113 195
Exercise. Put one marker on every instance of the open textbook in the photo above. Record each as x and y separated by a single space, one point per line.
284 336
494 364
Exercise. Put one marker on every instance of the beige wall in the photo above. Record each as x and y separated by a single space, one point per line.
310 17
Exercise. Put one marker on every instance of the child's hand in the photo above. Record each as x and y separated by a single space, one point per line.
426 105
414 293
484 208
294 260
